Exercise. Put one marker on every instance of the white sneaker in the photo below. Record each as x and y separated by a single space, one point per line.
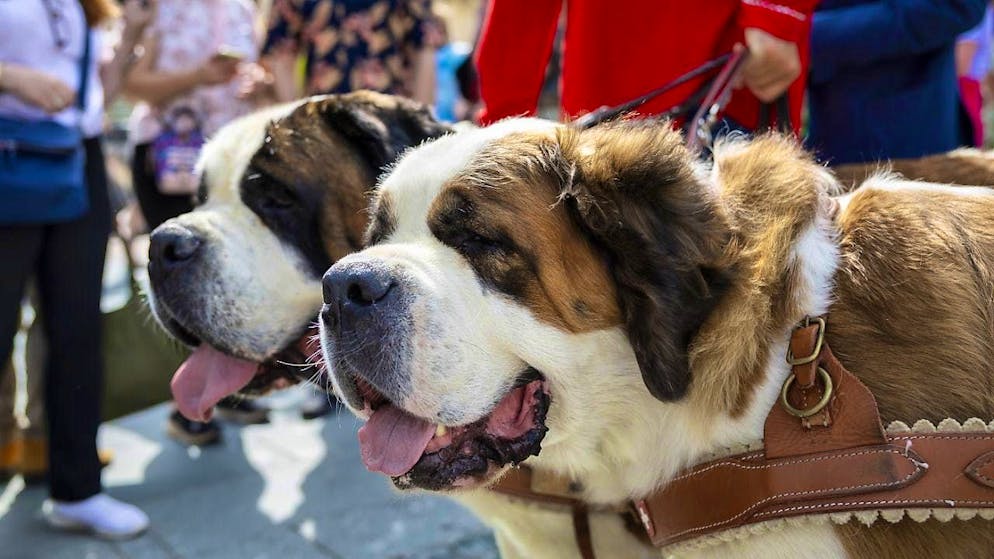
101 515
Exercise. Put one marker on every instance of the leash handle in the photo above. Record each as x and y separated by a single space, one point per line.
718 96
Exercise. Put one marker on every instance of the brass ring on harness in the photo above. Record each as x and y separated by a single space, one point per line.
820 405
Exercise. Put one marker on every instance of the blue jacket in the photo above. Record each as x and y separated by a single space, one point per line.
883 79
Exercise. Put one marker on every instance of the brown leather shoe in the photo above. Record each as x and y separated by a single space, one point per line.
33 465
34 460
10 458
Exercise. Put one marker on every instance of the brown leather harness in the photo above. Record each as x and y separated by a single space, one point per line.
523 483
825 451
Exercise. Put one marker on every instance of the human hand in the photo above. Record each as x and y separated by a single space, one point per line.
772 65
138 14
218 69
36 88
256 84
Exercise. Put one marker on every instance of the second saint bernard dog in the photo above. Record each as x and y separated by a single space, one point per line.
603 307
283 195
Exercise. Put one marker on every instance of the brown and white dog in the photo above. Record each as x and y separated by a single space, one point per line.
283 195
606 308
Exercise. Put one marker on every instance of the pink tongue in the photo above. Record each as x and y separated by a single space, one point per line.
392 441
205 378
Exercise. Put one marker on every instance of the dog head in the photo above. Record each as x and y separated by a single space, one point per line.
283 195
516 280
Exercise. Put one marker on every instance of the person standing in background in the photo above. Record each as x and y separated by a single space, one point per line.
973 63
49 72
24 451
450 106
350 45
883 78
614 53
198 62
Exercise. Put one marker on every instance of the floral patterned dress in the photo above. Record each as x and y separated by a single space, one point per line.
189 32
350 44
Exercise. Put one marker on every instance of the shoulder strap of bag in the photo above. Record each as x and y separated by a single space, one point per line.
84 68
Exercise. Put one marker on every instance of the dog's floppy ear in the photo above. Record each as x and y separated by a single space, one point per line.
632 189
380 126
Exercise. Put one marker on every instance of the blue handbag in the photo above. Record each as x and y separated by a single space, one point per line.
42 166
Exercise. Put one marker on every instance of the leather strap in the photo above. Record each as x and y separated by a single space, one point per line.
836 460
523 483
717 97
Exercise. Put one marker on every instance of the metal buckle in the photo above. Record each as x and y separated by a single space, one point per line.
794 361
825 397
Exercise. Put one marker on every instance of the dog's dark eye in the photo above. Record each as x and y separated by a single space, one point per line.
201 197
471 243
272 195
278 197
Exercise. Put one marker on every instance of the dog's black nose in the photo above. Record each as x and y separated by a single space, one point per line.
358 286
172 244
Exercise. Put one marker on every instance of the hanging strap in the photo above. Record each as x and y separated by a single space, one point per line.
781 121
521 483
84 69
550 490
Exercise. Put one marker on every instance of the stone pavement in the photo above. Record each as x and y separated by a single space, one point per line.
291 489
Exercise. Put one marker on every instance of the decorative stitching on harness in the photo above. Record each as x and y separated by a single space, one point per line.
931 503
778 8
976 471
810 492
964 437
789 462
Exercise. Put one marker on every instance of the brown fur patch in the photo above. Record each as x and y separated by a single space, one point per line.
304 152
591 229
956 539
963 166
331 151
509 199
635 192
771 191
914 303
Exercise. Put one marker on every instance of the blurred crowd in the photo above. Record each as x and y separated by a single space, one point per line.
149 81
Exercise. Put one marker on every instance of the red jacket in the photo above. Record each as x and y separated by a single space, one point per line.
617 50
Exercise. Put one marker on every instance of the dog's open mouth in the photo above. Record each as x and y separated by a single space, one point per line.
209 375
417 453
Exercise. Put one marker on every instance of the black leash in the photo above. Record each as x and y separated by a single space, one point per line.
704 105
605 113
783 123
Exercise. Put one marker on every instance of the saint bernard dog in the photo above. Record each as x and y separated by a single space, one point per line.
283 195
604 307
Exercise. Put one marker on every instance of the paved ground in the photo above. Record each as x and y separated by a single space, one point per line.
287 490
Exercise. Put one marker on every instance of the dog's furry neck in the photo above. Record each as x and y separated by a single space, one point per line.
784 256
